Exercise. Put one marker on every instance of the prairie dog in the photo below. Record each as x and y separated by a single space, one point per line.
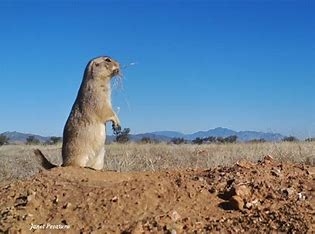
84 132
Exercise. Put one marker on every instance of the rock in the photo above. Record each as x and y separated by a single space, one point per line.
201 179
174 216
114 199
268 158
271 195
288 192
31 197
244 164
249 205
67 205
301 196
242 191
56 200
237 202
21 201
276 172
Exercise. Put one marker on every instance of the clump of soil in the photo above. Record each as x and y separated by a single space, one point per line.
249 197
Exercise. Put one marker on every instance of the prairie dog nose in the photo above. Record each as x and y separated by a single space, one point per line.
116 71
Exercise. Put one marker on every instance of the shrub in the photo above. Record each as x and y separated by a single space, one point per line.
230 139
146 140
54 140
4 139
220 140
261 140
178 140
31 140
212 139
290 139
198 141
122 136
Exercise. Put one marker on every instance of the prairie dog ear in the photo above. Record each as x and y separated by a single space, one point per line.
107 59
96 63
93 66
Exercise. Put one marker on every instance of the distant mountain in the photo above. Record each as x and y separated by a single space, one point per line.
153 136
18 137
222 132
168 135
241 136
250 135
217 132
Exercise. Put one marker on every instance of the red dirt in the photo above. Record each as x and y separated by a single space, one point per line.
263 197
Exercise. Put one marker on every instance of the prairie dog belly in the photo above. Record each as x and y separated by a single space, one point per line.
97 142
82 147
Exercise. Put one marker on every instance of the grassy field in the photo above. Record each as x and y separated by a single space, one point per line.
18 161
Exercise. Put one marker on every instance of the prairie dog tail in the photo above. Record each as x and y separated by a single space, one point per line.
43 160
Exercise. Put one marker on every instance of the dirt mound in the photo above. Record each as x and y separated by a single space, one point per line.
246 197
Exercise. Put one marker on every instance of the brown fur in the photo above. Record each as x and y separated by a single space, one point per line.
84 133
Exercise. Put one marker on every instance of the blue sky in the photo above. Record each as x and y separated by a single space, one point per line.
244 65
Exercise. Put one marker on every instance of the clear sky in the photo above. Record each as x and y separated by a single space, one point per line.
244 65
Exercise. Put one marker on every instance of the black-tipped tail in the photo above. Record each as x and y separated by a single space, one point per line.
43 160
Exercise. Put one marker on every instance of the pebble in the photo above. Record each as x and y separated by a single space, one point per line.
242 191
175 216
237 202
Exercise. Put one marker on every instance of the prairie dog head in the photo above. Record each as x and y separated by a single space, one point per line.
103 67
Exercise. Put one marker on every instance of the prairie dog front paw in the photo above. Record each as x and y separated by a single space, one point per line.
116 128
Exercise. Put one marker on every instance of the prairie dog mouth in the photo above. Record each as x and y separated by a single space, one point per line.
116 71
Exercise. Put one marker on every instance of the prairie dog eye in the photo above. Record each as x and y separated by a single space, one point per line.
108 60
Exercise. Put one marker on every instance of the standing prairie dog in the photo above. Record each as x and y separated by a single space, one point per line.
84 133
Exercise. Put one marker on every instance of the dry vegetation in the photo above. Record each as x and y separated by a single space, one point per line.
264 197
18 161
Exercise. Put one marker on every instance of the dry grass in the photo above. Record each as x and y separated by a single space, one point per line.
18 161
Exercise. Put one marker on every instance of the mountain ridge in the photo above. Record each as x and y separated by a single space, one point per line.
242 136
